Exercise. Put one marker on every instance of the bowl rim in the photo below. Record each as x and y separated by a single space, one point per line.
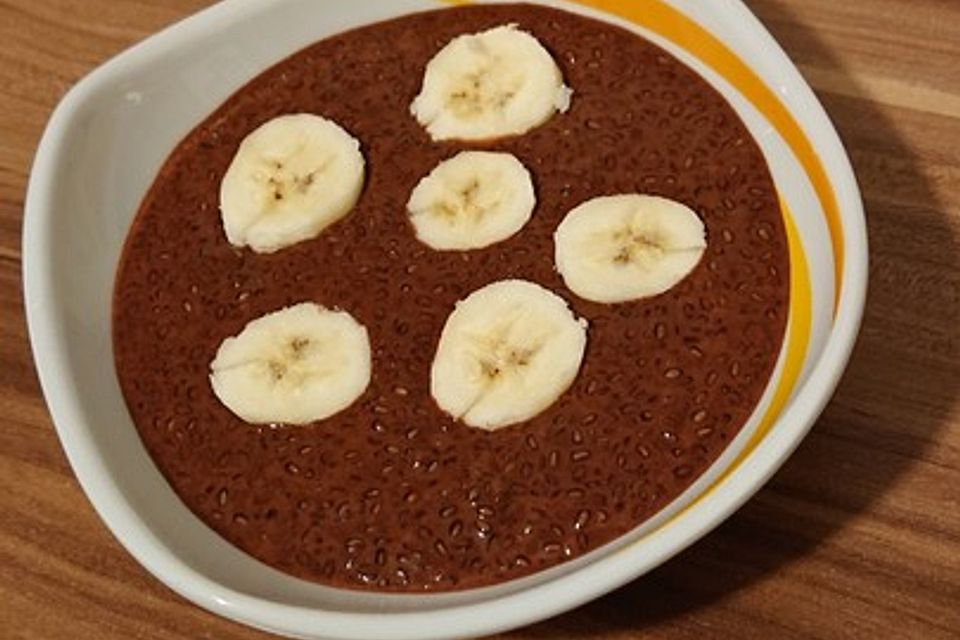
463 620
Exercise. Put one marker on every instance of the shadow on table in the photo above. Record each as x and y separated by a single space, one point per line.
833 476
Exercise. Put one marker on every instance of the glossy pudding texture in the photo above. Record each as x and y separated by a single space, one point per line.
392 494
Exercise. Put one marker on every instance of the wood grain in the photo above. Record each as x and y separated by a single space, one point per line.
858 536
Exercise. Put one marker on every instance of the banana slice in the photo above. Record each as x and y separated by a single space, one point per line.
297 365
626 247
291 178
473 200
507 352
488 85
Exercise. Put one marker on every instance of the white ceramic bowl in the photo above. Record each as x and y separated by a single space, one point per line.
103 147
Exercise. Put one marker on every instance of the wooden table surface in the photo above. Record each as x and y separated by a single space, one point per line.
858 536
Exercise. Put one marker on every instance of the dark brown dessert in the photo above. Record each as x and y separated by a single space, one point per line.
391 494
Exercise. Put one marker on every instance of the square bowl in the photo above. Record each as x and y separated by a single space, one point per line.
91 172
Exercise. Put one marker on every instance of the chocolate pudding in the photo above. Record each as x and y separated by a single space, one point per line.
391 493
